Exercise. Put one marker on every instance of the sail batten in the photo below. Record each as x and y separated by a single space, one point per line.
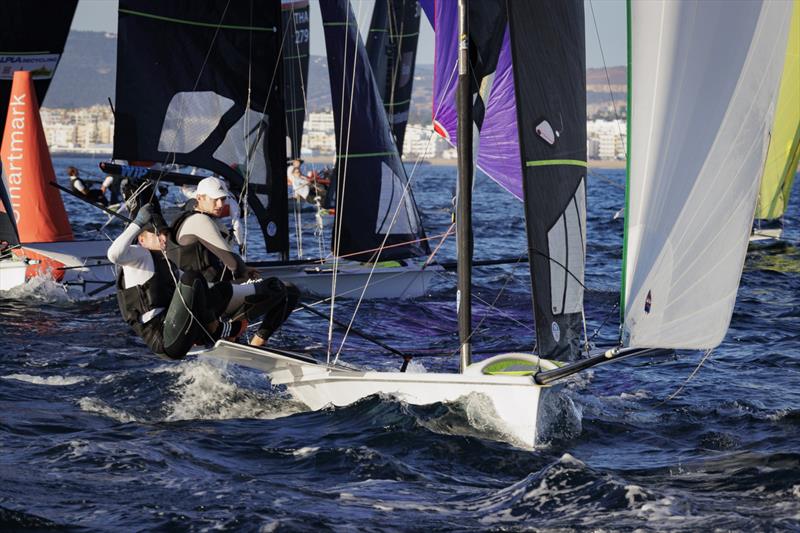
704 81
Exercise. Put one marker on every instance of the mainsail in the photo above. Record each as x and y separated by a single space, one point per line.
704 79
295 69
374 204
32 37
392 51
550 84
198 83
784 147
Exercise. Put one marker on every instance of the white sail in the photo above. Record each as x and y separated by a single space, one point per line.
704 79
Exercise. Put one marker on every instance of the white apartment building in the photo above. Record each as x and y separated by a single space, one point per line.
606 139
322 122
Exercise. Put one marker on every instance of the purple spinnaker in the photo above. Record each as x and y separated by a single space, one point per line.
498 148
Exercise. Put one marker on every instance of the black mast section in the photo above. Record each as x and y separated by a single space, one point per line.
464 203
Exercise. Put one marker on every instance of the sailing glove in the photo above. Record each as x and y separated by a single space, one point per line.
144 215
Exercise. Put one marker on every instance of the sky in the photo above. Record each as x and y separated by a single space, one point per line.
101 15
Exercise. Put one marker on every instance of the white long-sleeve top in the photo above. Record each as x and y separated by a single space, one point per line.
136 263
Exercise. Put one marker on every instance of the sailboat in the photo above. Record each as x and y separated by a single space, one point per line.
37 236
784 149
219 106
698 144
392 51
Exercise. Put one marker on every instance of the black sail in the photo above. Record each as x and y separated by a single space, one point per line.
295 70
547 43
392 51
373 202
199 83
32 37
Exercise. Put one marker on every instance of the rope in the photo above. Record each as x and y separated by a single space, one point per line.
683 385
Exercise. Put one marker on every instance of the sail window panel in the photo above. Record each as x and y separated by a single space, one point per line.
557 245
190 118
392 194
567 250
244 147
576 251
693 186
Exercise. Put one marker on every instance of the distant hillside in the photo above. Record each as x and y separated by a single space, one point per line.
87 73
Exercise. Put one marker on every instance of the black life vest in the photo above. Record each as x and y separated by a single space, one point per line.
75 189
156 292
194 257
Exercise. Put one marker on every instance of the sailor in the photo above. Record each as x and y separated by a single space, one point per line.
196 245
169 321
112 185
230 219
300 185
79 187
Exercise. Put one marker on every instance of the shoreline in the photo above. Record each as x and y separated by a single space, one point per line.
609 164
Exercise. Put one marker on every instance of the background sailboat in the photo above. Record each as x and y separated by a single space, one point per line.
392 51
216 107
784 148
35 224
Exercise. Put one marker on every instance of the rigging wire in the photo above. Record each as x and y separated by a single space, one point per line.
689 378
608 78
400 204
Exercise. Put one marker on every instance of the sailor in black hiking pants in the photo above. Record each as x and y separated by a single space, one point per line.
169 321
197 245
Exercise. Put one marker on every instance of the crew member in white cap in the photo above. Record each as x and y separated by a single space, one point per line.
198 246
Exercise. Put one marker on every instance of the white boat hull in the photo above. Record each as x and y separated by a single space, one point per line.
12 273
386 282
85 265
515 399
762 236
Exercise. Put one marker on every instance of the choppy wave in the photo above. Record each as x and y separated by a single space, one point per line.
99 434
57 381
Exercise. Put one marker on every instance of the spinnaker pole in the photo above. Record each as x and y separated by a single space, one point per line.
464 203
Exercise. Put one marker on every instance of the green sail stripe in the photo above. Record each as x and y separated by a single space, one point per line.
390 104
366 154
25 53
302 56
551 162
294 109
194 23
626 232
401 35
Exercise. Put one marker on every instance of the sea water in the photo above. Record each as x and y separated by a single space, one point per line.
97 433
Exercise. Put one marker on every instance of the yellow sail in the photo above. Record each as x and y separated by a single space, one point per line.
784 148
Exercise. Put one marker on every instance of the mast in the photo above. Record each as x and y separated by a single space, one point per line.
464 205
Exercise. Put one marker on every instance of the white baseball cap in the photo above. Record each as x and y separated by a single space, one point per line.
212 187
